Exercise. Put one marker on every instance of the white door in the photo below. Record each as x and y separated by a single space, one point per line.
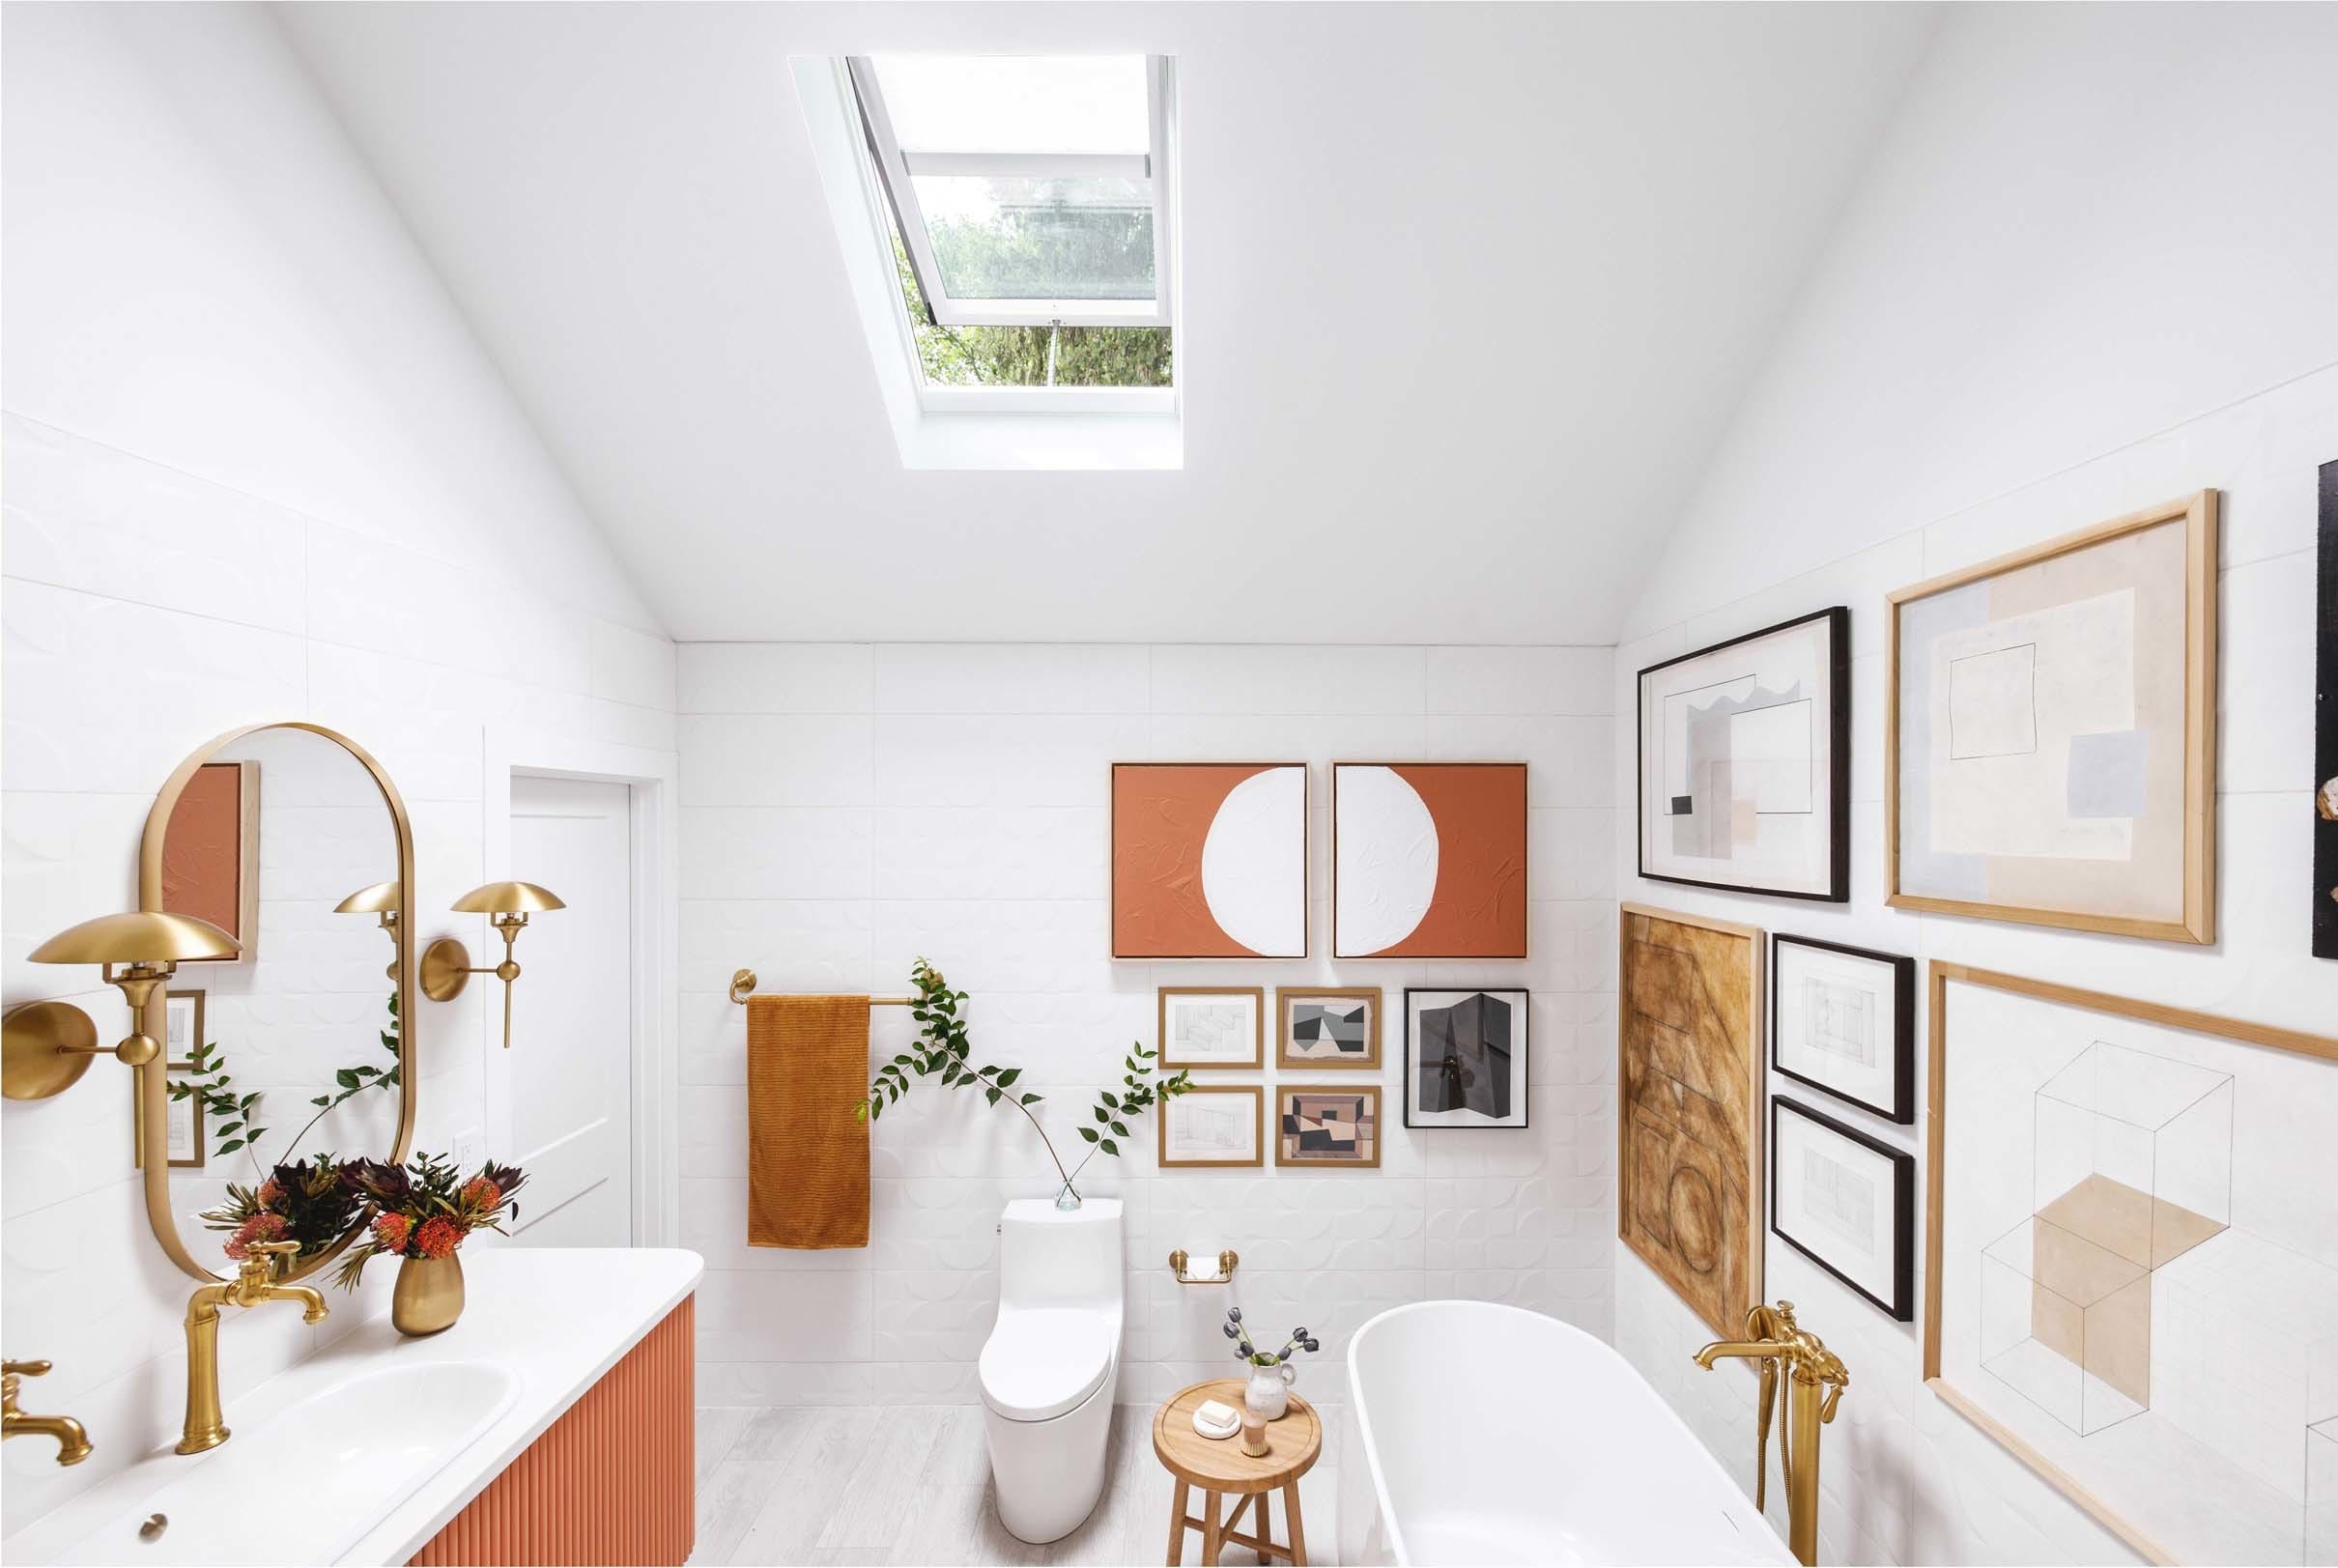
570 1073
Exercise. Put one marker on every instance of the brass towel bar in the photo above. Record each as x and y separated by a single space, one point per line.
743 985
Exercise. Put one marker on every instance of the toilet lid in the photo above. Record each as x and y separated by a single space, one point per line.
1042 1361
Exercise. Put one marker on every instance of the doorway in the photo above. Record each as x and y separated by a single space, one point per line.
570 1084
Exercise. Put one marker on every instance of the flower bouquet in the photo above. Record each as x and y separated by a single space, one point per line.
1271 1374
303 1202
419 1213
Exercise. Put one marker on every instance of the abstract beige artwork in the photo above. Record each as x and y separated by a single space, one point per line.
1690 1064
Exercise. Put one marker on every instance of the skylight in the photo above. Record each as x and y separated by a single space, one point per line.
1026 192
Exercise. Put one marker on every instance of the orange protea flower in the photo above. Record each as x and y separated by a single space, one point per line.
391 1231
438 1238
270 1192
482 1194
258 1228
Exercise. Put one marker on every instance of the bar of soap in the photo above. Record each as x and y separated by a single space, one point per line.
1217 1420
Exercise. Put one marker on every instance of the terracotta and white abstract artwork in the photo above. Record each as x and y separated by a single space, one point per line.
2041 715
2139 1265
1209 860
1744 772
1429 860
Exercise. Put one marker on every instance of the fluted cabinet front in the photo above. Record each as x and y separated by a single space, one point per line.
609 1482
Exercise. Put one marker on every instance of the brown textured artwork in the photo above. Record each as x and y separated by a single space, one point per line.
1690 1066
211 851
1209 860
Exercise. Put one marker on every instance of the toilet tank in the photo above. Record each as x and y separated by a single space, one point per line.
1050 1256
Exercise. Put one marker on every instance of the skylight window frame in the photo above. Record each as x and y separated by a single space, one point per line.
895 170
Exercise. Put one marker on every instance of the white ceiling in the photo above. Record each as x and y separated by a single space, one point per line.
1470 294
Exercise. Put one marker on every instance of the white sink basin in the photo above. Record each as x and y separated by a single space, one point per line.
315 1477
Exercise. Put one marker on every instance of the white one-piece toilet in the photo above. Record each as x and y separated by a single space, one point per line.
1050 1363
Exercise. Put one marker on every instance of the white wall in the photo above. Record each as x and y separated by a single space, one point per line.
2086 274
256 468
846 809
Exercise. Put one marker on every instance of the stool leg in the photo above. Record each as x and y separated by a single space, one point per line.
1177 1527
1210 1530
1299 1529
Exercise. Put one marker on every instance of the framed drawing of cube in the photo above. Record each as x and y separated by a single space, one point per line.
1465 1057
1842 1019
1325 1124
1745 763
1213 1027
2131 1266
1689 1066
1326 1026
1209 860
2050 733
1846 1202
1429 860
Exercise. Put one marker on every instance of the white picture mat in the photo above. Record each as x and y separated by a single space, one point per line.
1835 1197
1416 1003
1829 1005
1216 1028
1791 807
2197 1496
1200 1125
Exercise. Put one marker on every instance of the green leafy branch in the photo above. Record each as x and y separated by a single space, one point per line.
942 1049
228 1114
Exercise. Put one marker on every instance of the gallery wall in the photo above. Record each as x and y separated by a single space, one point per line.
2054 301
256 470
846 809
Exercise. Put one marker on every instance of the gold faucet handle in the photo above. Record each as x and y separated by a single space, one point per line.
260 1257
26 1369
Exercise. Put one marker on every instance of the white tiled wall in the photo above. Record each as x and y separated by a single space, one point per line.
846 809
1906 1479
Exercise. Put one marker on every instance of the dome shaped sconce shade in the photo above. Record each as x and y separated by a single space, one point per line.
383 900
446 966
49 1044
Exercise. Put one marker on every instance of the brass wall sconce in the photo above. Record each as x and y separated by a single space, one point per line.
446 966
380 901
49 1044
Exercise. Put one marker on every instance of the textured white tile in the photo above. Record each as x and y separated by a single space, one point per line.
773 677
776 852
991 852
1548 680
777 760
769 1315
1190 678
630 665
1004 759
2265 726
1005 677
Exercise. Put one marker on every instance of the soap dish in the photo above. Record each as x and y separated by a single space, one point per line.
1215 1419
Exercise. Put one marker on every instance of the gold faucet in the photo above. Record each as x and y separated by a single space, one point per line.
73 1443
255 1282
1815 1379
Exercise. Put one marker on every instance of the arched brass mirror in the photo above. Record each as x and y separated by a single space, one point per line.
291 837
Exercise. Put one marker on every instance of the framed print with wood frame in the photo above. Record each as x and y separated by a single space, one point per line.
1207 1027
1326 1026
182 1037
1429 860
1846 1202
1211 1126
1209 860
2050 733
1328 1124
1745 763
2131 1260
1842 1020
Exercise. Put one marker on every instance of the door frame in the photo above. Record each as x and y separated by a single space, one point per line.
651 778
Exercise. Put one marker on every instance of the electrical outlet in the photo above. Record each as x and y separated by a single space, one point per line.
471 1149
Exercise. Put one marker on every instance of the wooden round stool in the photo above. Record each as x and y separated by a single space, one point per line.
1219 1466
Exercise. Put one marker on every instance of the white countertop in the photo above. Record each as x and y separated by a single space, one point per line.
557 1317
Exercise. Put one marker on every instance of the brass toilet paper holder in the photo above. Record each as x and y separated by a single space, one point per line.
1227 1262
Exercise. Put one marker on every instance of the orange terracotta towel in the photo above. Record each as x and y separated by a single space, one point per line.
807 1153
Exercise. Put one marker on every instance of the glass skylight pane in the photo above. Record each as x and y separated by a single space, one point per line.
1084 238
1009 104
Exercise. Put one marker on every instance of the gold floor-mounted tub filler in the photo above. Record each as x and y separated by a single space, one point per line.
1815 1379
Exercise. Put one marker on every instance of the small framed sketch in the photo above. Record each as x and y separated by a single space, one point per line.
1219 1125
183 1036
1745 763
1213 1027
1465 1057
1326 1125
1319 1026
1842 1020
1846 1202
2050 733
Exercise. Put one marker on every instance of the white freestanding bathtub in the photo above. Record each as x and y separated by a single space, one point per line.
1486 1434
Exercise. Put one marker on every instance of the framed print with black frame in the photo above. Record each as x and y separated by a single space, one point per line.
1846 1202
1842 1021
1465 1056
1745 763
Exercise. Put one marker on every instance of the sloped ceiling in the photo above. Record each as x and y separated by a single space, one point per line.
1469 295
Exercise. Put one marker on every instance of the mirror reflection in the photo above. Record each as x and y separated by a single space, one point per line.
284 1059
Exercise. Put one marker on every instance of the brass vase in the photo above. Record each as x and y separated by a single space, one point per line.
429 1295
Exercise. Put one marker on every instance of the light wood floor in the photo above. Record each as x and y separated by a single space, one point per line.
911 1483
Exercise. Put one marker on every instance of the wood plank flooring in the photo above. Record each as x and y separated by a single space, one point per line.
910 1484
